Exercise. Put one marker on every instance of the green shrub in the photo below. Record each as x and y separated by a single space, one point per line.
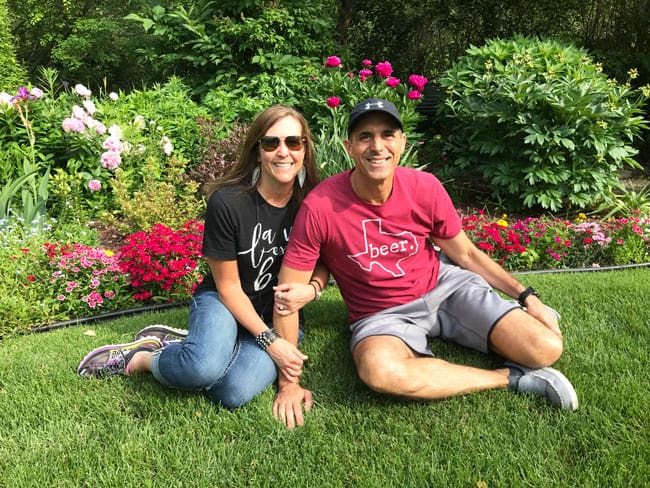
12 74
219 152
166 197
538 123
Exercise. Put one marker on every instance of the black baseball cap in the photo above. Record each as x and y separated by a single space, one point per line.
373 105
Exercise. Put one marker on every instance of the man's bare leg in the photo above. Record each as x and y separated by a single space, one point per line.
387 365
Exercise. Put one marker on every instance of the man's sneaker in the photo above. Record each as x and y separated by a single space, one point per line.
165 333
546 382
114 359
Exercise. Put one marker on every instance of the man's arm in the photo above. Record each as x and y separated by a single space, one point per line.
287 406
465 254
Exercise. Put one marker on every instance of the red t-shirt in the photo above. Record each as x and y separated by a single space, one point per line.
380 255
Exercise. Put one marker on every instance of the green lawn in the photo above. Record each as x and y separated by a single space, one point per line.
57 430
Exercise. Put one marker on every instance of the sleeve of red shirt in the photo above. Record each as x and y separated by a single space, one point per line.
303 249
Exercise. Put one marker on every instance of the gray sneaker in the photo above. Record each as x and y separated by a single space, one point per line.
166 334
114 359
546 382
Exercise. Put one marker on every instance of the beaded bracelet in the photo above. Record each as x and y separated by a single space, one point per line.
266 338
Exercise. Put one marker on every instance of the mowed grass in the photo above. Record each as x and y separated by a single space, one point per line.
58 430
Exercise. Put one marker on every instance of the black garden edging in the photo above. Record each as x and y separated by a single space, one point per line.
155 308
108 316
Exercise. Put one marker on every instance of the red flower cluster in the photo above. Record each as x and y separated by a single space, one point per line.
493 237
163 264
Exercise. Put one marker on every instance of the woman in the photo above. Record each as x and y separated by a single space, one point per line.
230 351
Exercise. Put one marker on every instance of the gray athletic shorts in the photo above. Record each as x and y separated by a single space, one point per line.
462 308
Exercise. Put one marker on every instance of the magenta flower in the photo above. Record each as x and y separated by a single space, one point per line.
414 95
392 82
384 69
365 73
333 102
366 62
333 62
94 185
419 82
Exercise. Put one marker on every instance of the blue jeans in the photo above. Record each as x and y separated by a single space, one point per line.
218 357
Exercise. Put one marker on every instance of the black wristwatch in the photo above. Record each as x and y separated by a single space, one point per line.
525 294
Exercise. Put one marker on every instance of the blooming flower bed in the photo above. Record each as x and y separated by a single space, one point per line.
552 243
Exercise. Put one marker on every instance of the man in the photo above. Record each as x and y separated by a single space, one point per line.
378 228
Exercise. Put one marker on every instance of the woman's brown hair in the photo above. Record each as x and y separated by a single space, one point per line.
241 173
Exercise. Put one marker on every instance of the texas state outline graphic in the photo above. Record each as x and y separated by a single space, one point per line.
380 244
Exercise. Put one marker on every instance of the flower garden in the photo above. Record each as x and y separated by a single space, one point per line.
73 162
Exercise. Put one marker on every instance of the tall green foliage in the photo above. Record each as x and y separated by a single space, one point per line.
539 123
212 43
12 74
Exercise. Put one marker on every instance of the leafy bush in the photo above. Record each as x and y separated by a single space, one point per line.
12 73
539 123
232 42
141 207
220 150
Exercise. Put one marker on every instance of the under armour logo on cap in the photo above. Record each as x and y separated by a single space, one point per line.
373 105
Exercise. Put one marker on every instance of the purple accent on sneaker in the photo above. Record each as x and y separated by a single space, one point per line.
114 359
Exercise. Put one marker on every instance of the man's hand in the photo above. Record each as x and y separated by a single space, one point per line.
287 358
537 309
288 404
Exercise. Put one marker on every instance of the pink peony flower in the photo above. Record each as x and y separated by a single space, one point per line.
113 143
78 112
384 69
365 73
392 82
419 82
333 102
333 62
5 99
82 90
414 95
111 159
366 62
90 107
36 93
73 125
94 185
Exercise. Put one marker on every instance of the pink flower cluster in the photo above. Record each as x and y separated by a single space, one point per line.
112 157
384 70
84 273
163 264
82 117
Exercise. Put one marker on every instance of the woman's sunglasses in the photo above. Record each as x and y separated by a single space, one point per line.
271 143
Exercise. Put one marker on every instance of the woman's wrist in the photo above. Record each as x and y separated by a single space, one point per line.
266 338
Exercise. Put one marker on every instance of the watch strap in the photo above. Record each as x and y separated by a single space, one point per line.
525 294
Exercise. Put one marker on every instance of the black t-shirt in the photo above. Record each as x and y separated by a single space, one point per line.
240 225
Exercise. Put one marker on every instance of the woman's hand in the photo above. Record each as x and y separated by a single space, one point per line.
287 358
291 297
